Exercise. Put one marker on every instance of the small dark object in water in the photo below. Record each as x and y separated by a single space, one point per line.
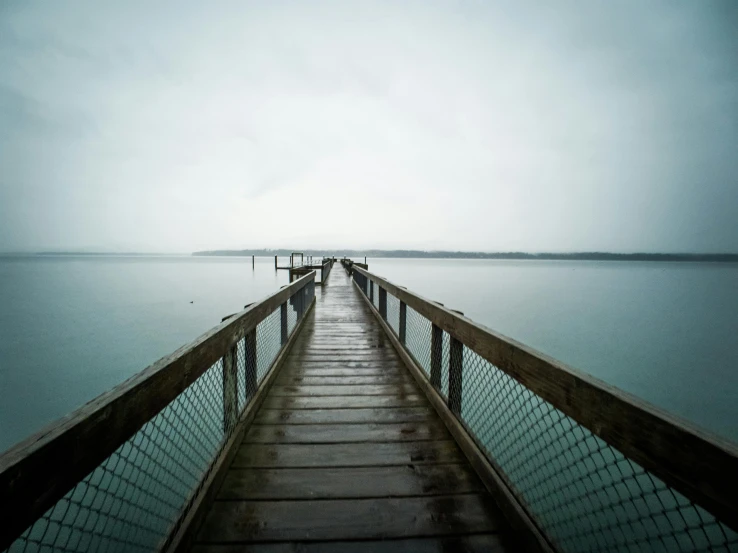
192 302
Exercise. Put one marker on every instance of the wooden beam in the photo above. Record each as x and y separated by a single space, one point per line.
402 334
455 377
383 303
283 323
41 469
250 366
230 389
699 465
436 353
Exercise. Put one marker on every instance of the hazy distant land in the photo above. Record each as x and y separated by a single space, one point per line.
581 256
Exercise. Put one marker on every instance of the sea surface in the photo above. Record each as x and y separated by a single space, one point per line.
73 327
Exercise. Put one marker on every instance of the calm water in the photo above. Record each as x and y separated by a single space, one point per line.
71 328
666 332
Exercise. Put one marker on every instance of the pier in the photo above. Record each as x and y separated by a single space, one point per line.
360 416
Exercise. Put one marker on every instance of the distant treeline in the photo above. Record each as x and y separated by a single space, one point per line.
582 256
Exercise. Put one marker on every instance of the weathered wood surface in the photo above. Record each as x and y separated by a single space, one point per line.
76 444
347 455
456 544
335 519
348 482
700 465
346 447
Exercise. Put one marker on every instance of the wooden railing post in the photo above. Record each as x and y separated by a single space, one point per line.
436 354
250 377
370 284
403 322
455 373
383 303
230 389
283 321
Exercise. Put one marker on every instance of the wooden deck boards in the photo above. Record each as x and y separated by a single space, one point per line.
346 454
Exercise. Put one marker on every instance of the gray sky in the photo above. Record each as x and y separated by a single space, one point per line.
537 126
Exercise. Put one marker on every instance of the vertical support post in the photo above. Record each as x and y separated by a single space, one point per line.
275 262
455 374
370 284
253 261
383 303
230 390
436 354
283 321
403 322
250 376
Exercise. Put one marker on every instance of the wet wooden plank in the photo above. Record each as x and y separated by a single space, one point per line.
347 346
388 379
342 416
349 353
336 519
349 482
346 433
338 371
343 364
478 543
364 390
343 402
346 455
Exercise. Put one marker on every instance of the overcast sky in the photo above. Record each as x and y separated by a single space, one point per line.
494 126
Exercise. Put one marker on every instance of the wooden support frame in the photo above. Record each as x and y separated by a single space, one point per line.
403 323
230 389
283 323
436 353
699 465
251 363
455 375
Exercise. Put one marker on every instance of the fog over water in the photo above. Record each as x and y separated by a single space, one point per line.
487 126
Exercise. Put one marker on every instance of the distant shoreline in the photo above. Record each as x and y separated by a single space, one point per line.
415 254
418 254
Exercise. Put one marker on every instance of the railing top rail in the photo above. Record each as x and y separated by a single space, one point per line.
700 465
38 471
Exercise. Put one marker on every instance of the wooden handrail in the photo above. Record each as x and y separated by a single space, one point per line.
699 465
40 470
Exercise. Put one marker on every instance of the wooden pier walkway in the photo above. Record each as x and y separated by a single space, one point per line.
305 423
347 448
